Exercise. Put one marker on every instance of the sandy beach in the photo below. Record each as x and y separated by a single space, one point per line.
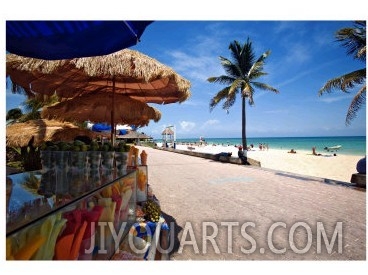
339 167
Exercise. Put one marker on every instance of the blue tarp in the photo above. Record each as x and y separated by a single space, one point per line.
123 132
100 127
71 39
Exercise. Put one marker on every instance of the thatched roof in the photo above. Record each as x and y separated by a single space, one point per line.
97 108
134 73
167 131
19 134
134 135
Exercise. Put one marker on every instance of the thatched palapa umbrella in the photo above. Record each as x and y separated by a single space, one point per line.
19 134
133 73
125 72
96 107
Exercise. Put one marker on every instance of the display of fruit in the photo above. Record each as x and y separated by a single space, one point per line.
142 178
106 192
126 184
63 146
152 211
122 147
94 146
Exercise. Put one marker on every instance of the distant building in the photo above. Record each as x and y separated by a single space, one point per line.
134 137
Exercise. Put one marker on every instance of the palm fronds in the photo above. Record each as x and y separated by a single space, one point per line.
344 82
355 105
353 39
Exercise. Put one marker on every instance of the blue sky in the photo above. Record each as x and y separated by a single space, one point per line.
304 55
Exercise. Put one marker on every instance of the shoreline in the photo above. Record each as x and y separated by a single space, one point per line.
339 167
350 145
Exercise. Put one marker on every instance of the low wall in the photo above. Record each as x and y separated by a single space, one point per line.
234 160
359 179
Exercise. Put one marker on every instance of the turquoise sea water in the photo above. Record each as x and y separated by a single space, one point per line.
351 145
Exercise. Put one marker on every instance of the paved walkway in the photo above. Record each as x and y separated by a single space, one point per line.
255 214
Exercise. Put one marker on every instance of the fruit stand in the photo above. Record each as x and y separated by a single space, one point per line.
69 212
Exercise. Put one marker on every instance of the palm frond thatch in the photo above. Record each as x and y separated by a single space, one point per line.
97 107
134 135
167 131
19 134
134 74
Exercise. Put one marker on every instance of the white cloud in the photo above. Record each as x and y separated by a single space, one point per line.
330 99
211 122
191 103
196 66
187 126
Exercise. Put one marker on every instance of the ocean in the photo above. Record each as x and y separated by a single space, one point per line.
350 145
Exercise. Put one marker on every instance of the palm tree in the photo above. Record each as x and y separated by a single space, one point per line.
34 104
14 114
241 77
354 40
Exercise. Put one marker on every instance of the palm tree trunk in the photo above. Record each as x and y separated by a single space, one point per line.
244 137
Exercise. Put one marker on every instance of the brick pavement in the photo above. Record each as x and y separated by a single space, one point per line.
194 190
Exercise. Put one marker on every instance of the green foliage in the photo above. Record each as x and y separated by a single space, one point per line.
354 40
122 146
242 73
152 210
34 104
14 114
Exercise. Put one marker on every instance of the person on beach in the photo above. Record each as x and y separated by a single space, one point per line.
314 151
241 154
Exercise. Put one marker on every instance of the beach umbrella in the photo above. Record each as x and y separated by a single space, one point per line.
96 107
19 134
101 127
69 39
126 72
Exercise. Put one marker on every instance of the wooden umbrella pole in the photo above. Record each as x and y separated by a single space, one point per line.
113 113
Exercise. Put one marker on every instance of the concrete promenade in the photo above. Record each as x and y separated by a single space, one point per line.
224 211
